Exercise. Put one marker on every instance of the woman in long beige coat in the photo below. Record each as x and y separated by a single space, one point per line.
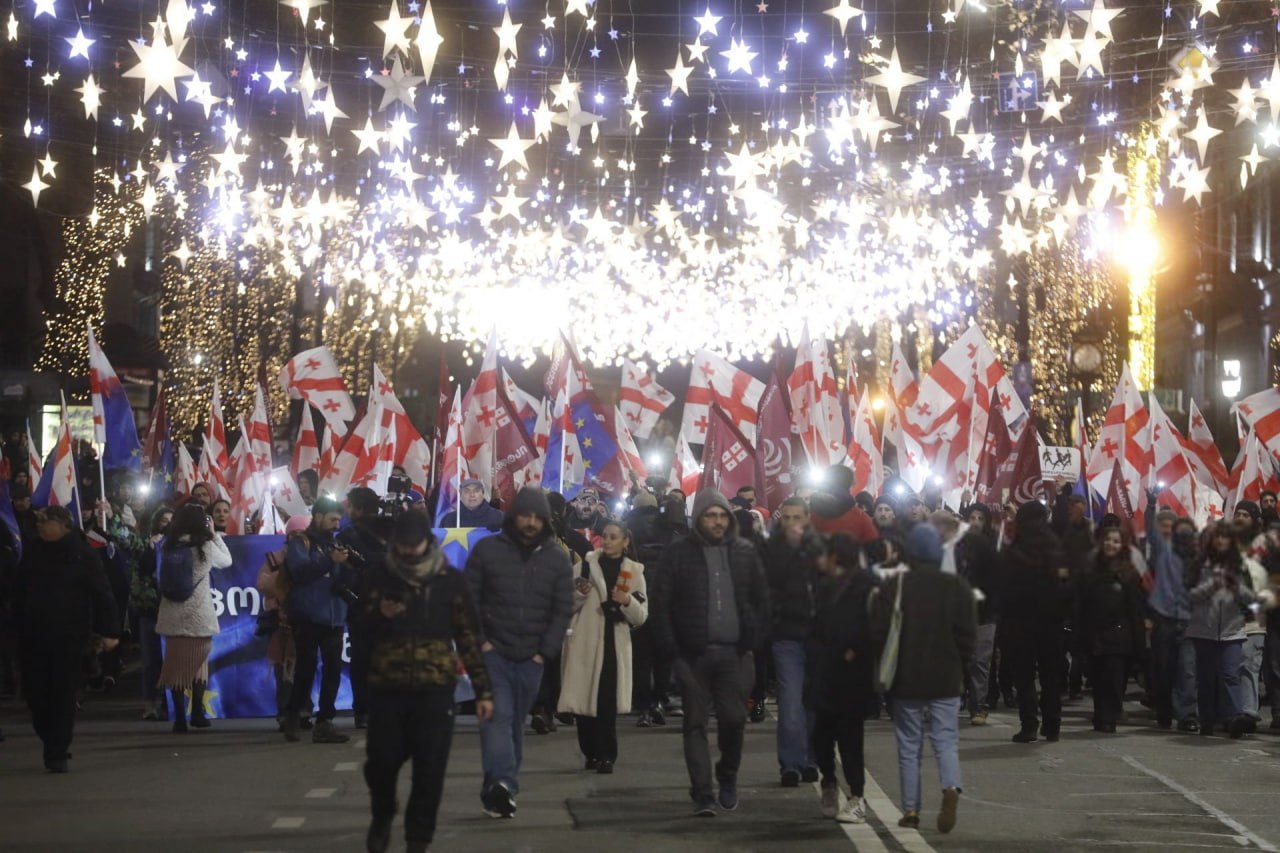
595 667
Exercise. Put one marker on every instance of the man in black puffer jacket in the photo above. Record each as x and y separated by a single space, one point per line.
709 608
522 584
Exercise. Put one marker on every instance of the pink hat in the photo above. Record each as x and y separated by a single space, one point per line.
296 524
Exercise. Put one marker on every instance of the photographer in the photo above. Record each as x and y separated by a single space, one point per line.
366 540
317 609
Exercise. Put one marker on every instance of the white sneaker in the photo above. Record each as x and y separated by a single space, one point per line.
830 803
854 812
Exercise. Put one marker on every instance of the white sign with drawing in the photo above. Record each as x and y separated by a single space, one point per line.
1058 462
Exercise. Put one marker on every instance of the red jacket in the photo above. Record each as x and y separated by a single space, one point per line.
854 522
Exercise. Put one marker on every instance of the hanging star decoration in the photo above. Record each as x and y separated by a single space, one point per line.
843 13
158 67
395 31
513 148
35 186
894 79
398 86
91 96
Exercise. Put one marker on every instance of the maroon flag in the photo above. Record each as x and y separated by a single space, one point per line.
729 462
1118 495
513 449
157 434
995 449
1026 477
774 444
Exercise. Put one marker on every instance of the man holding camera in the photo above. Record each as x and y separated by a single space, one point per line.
317 606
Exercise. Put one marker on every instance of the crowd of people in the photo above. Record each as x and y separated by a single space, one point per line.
575 612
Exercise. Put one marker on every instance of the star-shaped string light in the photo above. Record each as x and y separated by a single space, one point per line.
277 78
303 7
35 186
894 79
395 31
428 41
91 96
843 13
513 148
398 86
739 56
158 67
679 75
79 45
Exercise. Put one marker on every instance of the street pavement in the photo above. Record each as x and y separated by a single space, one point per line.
239 787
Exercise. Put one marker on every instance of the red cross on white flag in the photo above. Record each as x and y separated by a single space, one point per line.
313 376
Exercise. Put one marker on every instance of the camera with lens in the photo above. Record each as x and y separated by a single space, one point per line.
397 498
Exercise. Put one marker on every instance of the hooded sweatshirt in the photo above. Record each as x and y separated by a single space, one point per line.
523 590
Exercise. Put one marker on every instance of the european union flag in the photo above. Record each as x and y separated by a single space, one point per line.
9 528
595 439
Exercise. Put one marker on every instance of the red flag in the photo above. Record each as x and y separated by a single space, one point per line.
313 376
630 454
214 463
411 451
357 461
1170 471
715 381
729 462
1118 494
479 415
259 434
306 450
33 459
774 444
1025 476
996 448
1124 436
641 399
514 451
157 431
864 450
1202 452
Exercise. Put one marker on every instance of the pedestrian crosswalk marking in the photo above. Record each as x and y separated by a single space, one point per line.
346 766
288 822
320 793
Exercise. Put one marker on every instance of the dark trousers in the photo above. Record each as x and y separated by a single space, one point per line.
721 675
323 642
843 729
760 684
598 735
650 672
152 657
1033 652
415 727
548 689
1110 674
1272 666
1219 692
51 676
358 669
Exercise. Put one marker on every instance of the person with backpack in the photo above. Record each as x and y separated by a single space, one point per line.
186 619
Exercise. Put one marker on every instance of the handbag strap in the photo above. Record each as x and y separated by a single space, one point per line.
897 596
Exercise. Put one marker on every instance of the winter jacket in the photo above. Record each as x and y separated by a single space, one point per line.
1037 583
524 593
680 590
841 624
61 594
979 564
194 617
582 660
1218 601
791 574
1169 594
486 515
939 631
313 573
1109 612
839 514
420 649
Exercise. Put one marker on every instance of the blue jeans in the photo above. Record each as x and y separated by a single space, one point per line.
794 721
1173 668
943 718
1218 664
515 687
1251 674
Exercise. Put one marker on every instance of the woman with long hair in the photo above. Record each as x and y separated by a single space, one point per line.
1110 625
220 512
595 666
189 623
1219 593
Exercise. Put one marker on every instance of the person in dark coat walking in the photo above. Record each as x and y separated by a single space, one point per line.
522 584
1110 626
1037 600
421 623
709 607
838 675
63 601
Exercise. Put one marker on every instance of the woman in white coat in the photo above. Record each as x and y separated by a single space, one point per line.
595 666
188 625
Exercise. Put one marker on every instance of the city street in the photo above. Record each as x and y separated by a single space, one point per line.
239 787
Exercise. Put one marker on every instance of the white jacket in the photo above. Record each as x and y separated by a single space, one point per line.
195 617
582 658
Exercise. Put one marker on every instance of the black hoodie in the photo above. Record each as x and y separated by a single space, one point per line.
523 590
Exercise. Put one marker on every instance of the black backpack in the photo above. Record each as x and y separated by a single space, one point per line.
177 573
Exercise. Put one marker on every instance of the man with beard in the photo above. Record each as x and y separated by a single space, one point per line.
522 584
710 611
474 510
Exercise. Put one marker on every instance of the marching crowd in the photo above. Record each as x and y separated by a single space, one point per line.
846 607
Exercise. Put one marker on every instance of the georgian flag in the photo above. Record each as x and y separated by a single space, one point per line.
306 450
815 403
1124 436
411 451
715 381
313 375
114 429
641 400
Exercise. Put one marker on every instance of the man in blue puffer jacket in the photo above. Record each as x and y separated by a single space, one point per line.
317 610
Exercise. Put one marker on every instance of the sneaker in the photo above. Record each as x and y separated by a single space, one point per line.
855 811
756 714
671 709
728 798
289 728
704 808
656 718
306 724
324 732
645 721
498 802
809 775
1025 736
378 839
790 779
978 719
1193 726
910 820
830 802
947 816
540 724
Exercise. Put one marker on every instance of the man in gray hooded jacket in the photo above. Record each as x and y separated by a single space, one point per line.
709 609
522 583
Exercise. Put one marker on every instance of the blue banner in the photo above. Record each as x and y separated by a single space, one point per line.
241 679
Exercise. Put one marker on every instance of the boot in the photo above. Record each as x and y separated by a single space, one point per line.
198 718
179 712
